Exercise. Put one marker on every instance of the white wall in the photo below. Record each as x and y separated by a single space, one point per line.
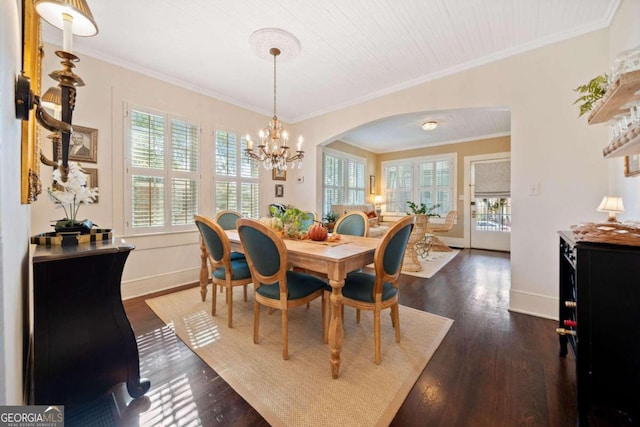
14 217
550 146
625 34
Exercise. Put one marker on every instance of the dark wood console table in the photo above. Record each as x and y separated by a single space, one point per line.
599 317
83 344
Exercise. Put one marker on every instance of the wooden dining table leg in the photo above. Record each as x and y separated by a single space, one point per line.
204 270
336 331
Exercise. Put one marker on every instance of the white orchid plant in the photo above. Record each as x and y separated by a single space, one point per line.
70 195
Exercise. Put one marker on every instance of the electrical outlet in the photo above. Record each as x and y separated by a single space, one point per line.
534 189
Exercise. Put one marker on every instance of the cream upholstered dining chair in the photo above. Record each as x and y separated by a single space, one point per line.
225 272
354 223
378 291
436 244
275 285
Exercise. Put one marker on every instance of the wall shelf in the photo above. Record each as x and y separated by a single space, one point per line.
625 145
623 91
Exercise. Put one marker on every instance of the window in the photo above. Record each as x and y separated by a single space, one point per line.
163 177
237 186
344 181
428 180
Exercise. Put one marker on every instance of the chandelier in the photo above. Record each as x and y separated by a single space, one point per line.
273 150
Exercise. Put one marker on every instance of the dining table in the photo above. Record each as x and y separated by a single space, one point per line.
335 259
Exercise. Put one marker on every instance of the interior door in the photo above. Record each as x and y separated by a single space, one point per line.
490 217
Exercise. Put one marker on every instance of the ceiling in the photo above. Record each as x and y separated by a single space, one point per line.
351 51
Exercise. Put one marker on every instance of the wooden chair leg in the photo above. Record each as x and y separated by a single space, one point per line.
285 334
323 314
213 299
327 315
376 334
395 315
230 306
245 293
256 321
357 315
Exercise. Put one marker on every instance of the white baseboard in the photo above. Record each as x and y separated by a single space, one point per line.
151 284
533 304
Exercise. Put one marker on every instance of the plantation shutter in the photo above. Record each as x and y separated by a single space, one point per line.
237 176
147 157
165 175
492 179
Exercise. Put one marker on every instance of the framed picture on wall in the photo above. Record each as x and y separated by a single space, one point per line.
279 190
92 179
84 144
372 184
632 165
277 175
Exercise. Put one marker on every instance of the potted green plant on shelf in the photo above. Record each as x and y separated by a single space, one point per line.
591 92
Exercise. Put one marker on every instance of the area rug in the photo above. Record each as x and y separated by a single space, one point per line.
432 263
300 391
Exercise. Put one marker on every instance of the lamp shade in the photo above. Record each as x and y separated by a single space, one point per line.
377 200
611 204
51 97
52 11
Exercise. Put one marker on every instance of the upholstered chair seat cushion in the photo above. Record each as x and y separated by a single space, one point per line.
235 256
300 285
240 270
359 286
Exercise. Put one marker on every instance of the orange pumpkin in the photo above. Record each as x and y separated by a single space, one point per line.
317 232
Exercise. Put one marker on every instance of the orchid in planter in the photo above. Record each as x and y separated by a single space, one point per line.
70 195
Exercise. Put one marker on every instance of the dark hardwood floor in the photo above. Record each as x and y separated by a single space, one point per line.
494 368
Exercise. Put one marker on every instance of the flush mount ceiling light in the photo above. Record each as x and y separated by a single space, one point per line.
429 125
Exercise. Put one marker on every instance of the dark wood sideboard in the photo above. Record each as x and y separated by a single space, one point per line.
599 317
82 344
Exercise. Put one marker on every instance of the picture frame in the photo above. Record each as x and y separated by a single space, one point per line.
372 184
632 165
30 184
277 175
92 179
84 144
279 190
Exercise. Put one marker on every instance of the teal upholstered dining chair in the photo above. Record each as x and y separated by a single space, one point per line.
227 220
378 291
354 223
275 286
309 220
225 272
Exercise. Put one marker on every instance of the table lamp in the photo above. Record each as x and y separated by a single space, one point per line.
377 200
612 205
